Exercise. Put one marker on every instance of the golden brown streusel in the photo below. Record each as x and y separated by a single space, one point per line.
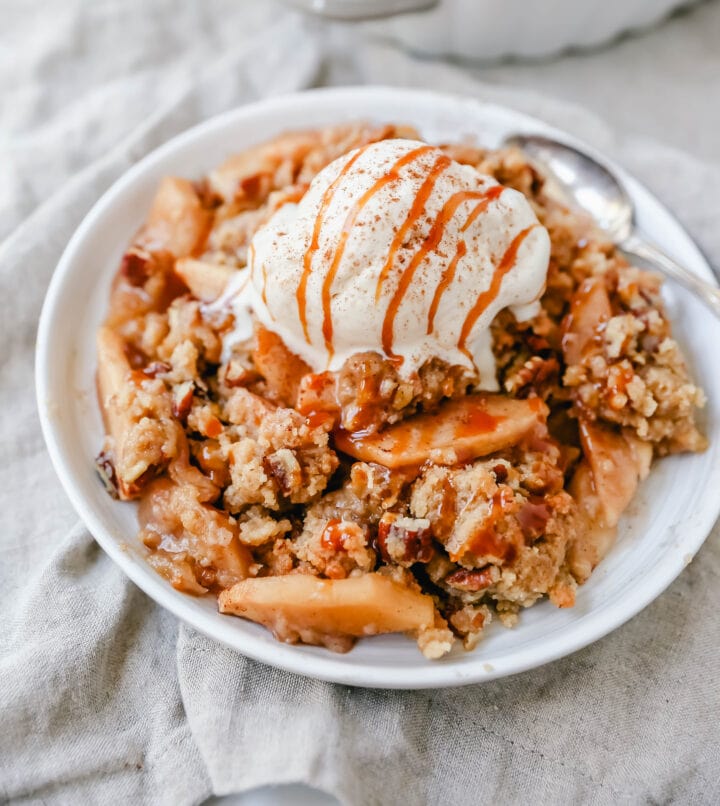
234 454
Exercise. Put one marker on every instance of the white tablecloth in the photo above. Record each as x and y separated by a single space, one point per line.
106 698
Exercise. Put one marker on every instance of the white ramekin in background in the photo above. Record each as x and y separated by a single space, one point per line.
488 30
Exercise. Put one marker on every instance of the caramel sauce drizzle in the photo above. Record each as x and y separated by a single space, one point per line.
301 293
391 176
449 274
477 421
489 196
431 243
486 541
506 264
446 278
417 209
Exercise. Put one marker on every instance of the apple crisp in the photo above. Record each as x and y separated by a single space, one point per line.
365 495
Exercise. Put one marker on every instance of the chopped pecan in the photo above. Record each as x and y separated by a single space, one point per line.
254 188
501 472
404 541
135 266
533 373
236 374
284 468
206 575
135 357
106 470
133 489
182 398
473 580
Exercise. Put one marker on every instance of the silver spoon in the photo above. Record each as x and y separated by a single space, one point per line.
594 188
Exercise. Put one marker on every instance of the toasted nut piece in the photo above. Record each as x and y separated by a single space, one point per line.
304 608
403 540
460 430
136 266
533 373
473 580
236 374
182 398
283 467
106 470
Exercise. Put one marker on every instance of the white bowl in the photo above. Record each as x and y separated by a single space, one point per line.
488 30
671 516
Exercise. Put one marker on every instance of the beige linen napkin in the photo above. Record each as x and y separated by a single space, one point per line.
104 697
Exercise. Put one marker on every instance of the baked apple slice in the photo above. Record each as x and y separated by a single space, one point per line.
299 607
244 174
191 540
177 221
618 461
141 431
589 309
605 482
206 281
282 369
459 431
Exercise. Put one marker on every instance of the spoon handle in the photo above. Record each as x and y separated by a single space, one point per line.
708 293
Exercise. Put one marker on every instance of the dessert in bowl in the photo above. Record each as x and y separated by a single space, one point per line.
362 384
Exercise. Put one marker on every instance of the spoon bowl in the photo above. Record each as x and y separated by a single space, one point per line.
584 182
591 185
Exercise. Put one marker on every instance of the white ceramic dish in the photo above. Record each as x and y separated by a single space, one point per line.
667 523
489 30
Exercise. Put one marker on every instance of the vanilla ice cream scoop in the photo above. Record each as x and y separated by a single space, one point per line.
396 248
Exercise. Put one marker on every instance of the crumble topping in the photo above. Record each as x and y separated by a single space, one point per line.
280 489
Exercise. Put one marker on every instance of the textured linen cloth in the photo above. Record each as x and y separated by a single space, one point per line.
106 698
